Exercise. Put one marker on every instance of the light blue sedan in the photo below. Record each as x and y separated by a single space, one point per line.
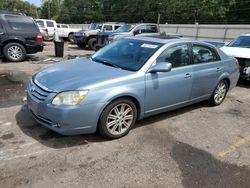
129 79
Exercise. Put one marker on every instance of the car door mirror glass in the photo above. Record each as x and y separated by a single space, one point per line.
161 67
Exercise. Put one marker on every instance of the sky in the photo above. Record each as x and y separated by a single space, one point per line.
36 2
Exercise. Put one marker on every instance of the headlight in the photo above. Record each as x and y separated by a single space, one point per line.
69 98
85 34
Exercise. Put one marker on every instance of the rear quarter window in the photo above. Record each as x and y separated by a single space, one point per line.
50 24
40 23
18 23
204 54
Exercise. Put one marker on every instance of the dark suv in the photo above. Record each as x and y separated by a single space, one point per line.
19 35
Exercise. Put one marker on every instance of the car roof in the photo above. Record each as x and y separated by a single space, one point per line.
247 34
45 20
162 41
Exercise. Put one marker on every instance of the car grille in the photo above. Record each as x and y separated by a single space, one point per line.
102 40
38 92
42 119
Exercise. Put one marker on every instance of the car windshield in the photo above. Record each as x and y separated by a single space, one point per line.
93 26
125 28
128 54
242 42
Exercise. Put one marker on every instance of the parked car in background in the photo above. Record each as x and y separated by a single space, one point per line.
240 49
140 29
19 36
88 37
127 80
49 26
66 32
43 31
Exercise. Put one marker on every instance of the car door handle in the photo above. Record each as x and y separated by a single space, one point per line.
188 76
218 69
1 33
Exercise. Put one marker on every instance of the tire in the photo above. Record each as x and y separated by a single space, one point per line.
121 115
81 45
92 44
71 38
219 93
14 52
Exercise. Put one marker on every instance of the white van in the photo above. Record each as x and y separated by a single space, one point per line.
49 26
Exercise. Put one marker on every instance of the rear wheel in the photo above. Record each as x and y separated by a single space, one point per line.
219 93
92 44
117 119
71 37
14 52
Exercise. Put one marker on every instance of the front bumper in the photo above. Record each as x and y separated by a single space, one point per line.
65 120
81 39
244 68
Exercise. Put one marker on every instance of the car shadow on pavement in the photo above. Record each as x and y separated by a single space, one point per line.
52 139
47 137
243 84
200 169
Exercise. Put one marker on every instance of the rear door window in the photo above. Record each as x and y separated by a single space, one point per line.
204 54
50 24
20 23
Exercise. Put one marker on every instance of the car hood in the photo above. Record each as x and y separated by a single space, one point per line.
237 52
76 74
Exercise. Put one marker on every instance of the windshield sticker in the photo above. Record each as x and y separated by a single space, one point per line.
149 46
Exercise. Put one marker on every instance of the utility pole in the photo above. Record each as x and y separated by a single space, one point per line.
159 19
48 9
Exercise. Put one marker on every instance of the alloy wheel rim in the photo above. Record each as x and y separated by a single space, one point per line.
15 52
119 119
220 92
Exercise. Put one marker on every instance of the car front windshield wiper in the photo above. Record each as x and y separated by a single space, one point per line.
105 62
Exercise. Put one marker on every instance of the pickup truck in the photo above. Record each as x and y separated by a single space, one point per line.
138 29
88 37
64 31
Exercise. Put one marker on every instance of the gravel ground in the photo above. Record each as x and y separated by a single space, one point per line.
196 146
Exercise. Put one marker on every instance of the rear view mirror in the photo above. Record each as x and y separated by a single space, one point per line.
161 67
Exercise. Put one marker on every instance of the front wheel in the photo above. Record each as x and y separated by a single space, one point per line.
117 119
219 93
14 52
92 44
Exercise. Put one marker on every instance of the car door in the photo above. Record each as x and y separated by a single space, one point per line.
166 89
2 34
207 68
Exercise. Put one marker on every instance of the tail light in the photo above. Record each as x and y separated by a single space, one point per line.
39 37
46 30
237 64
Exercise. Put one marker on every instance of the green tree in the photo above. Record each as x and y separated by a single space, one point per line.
21 6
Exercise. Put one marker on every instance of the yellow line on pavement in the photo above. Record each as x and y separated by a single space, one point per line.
234 146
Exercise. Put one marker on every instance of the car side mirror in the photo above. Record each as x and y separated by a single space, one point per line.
161 67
